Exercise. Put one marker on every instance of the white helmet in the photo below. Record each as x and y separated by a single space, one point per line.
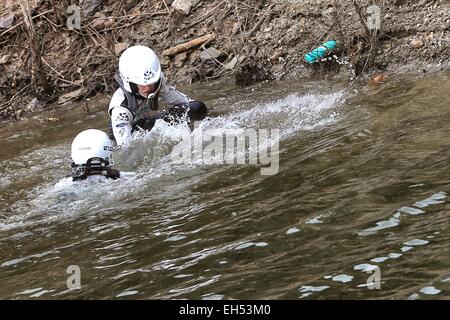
140 65
91 143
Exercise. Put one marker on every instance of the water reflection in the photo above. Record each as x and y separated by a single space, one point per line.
362 186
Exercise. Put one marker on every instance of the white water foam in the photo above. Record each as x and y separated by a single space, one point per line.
394 221
148 155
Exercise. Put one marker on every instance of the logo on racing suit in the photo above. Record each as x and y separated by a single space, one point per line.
123 117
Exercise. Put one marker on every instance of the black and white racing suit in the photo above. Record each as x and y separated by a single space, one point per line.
131 111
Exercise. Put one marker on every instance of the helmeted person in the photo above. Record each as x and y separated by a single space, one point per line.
92 155
134 105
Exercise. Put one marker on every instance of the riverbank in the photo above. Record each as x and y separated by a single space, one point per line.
250 41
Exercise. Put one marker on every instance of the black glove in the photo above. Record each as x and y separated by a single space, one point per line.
144 124
112 173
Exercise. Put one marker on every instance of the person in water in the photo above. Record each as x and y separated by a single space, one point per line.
134 105
92 156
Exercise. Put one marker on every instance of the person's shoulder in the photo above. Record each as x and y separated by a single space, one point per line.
118 94
116 100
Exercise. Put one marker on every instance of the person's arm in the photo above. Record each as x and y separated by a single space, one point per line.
121 118
171 95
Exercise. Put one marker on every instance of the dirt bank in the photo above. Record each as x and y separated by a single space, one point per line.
251 40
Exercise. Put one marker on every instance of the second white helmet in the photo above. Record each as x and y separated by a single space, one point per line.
139 65
92 143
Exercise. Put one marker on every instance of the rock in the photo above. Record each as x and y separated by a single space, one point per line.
230 65
130 4
194 56
7 21
109 23
165 62
135 13
277 54
416 44
329 12
51 119
5 58
18 114
71 96
211 53
252 71
33 105
89 6
377 79
302 22
120 47
99 15
99 23
236 27
423 2
184 6
180 59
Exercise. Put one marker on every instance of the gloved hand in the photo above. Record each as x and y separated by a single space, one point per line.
112 173
174 114
144 124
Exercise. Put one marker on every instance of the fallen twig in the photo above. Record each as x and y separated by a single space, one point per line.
53 25
361 20
204 17
168 20
22 22
221 73
107 48
133 23
54 70
188 45
8 103
371 37
35 42
142 15
266 16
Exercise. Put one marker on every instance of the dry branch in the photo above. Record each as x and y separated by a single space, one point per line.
188 45
266 16
20 23
35 42
204 17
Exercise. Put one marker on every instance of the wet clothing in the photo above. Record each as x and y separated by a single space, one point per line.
94 167
109 173
131 111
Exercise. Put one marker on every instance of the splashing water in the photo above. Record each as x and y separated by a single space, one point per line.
359 200
148 158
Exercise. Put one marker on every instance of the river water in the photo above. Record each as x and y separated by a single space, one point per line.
357 207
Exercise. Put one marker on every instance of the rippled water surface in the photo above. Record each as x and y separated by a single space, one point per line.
362 189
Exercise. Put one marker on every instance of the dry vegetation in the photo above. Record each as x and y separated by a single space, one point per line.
253 40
